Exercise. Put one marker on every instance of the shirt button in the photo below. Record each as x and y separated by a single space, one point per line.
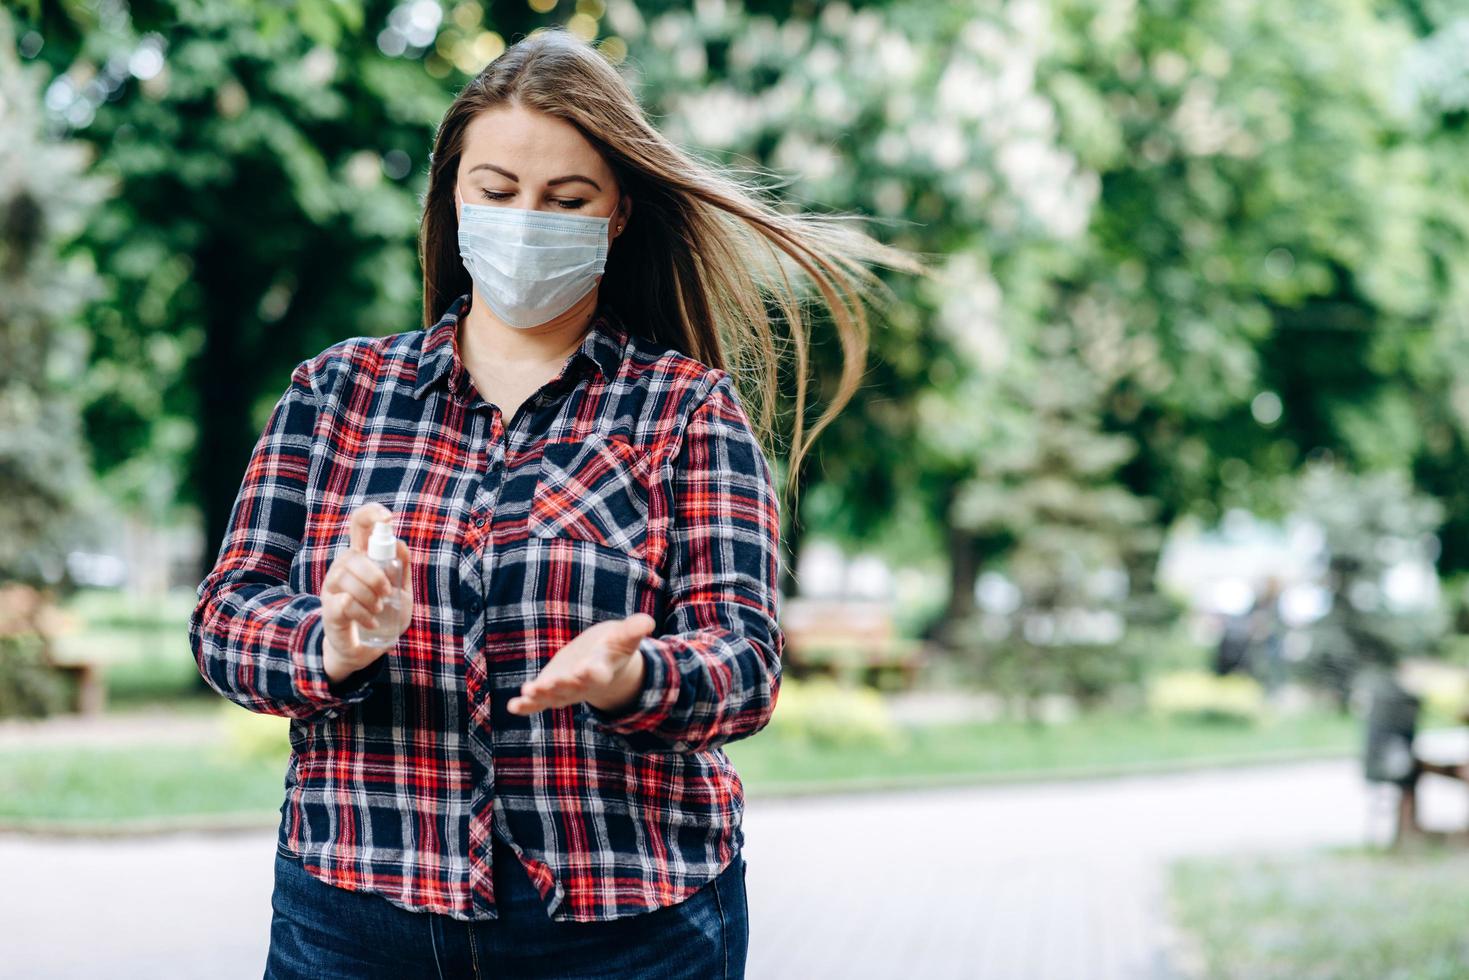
474 603
479 521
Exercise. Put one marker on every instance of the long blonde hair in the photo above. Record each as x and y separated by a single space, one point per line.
707 251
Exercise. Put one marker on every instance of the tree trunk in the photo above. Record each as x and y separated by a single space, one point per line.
225 380
964 563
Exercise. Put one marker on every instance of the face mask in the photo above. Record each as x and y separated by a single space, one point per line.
531 266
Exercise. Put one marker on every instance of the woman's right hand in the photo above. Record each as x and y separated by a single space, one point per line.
352 593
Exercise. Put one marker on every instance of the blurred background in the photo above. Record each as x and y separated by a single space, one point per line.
1127 607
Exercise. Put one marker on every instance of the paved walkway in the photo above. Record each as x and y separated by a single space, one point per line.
1061 880
143 726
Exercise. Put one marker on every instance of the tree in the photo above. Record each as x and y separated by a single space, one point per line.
924 116
45 196
1049 491
44 479
1372 525
263 211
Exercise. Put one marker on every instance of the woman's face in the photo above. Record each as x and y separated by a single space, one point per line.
514 157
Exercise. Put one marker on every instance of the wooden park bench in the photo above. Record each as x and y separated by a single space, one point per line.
850 640
1396 754
28 617
86 678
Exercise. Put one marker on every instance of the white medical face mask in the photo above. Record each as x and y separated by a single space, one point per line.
531 266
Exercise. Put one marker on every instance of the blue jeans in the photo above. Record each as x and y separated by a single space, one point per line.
322 932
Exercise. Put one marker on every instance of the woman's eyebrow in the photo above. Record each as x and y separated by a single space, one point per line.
550 183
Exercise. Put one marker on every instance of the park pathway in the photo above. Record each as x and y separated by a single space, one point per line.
1053 880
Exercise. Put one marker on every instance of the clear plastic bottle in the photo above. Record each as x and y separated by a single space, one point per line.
382 548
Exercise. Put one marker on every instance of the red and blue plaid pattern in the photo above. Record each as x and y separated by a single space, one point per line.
630 482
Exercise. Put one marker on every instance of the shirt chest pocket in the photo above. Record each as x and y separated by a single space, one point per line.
594 490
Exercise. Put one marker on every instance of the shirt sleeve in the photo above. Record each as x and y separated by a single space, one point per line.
713 674
255 640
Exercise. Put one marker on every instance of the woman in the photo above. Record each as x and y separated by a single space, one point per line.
530 782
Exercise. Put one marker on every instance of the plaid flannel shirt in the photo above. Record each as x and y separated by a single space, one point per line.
630 482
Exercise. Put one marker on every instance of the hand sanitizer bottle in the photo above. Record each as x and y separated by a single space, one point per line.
382 548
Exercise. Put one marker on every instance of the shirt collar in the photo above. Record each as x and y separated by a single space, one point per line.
601 349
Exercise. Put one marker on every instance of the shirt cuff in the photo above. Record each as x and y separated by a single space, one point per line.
309 669
655 700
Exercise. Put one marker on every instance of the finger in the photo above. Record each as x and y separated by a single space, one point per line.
334 610
366 571
350 610
541 686
348 584
556 694
527 705
630 632
339 618
363 518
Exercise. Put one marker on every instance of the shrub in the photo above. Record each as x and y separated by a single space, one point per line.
821 711
1196 695
253 735
28 687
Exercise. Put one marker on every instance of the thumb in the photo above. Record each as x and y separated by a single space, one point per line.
362 520
634 628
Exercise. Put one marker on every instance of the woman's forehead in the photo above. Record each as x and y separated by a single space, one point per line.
529 144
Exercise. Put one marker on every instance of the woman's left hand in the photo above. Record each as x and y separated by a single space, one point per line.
600 666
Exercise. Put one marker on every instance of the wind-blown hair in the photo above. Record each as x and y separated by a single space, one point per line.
706 256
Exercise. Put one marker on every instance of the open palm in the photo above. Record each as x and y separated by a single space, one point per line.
599 666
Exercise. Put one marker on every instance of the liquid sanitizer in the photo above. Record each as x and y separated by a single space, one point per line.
382 548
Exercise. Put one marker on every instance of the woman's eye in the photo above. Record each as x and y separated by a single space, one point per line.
502 195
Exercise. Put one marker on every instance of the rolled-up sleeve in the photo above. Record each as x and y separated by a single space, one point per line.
713 671
255 640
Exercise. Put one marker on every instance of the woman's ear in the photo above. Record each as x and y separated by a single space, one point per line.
619 222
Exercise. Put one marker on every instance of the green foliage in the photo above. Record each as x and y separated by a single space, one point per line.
28 688
1203 697
1371 522
254 736
265 167
922 118
1049 490
45 193
1260 208
821 712
1184 246
1085 672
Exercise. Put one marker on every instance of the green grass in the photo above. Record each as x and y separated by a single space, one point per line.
1095 745
105 785
99 786
1344 915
